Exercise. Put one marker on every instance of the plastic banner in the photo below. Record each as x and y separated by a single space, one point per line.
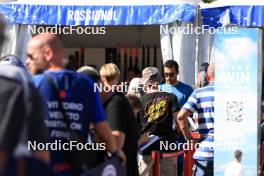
237 101
97 15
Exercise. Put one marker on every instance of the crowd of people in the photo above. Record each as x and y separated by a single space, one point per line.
42 101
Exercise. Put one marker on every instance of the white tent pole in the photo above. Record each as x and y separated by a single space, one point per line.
197 24
165 43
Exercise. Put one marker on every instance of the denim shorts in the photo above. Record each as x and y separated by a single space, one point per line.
203 168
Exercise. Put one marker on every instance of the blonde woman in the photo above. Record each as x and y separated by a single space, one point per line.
109 74
120 116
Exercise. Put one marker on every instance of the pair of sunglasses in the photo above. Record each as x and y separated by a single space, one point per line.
169 74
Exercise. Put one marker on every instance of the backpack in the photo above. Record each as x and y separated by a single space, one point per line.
11 110
23 77
13 120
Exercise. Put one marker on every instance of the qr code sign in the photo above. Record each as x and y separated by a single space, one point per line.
234 111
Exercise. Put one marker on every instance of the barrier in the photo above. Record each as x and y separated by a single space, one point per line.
156 166
188 161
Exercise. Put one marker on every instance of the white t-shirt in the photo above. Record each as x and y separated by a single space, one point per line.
234 169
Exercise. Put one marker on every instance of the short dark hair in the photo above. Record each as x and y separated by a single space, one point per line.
171 64
89 71
238 154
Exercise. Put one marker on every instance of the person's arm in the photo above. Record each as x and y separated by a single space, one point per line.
175 110
183 123
103 131
144 138
189 107
120 138
175 115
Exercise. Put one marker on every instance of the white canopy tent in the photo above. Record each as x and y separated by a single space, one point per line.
242 13
224 13
94 12
105 12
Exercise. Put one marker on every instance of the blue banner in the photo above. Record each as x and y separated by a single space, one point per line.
237 102
97 15
236 15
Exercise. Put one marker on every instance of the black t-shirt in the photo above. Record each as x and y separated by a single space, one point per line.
14 117
157 113
121 118
157 117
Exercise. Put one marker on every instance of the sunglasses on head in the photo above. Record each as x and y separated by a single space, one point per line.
169 74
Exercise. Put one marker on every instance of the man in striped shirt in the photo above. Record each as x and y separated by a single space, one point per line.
202 101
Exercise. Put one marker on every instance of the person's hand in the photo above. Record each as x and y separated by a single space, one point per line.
144 138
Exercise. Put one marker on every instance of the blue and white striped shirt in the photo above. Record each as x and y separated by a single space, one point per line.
202 101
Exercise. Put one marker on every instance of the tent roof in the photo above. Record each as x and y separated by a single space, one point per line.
95 12
104 2
233 12
221 3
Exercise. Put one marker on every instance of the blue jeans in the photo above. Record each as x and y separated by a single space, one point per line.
203 168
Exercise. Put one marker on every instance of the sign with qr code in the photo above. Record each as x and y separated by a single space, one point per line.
237 93
235 111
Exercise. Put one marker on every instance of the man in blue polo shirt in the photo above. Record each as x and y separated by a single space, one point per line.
179 89
66 93
202 101
173 85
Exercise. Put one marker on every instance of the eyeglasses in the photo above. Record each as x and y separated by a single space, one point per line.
169 74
